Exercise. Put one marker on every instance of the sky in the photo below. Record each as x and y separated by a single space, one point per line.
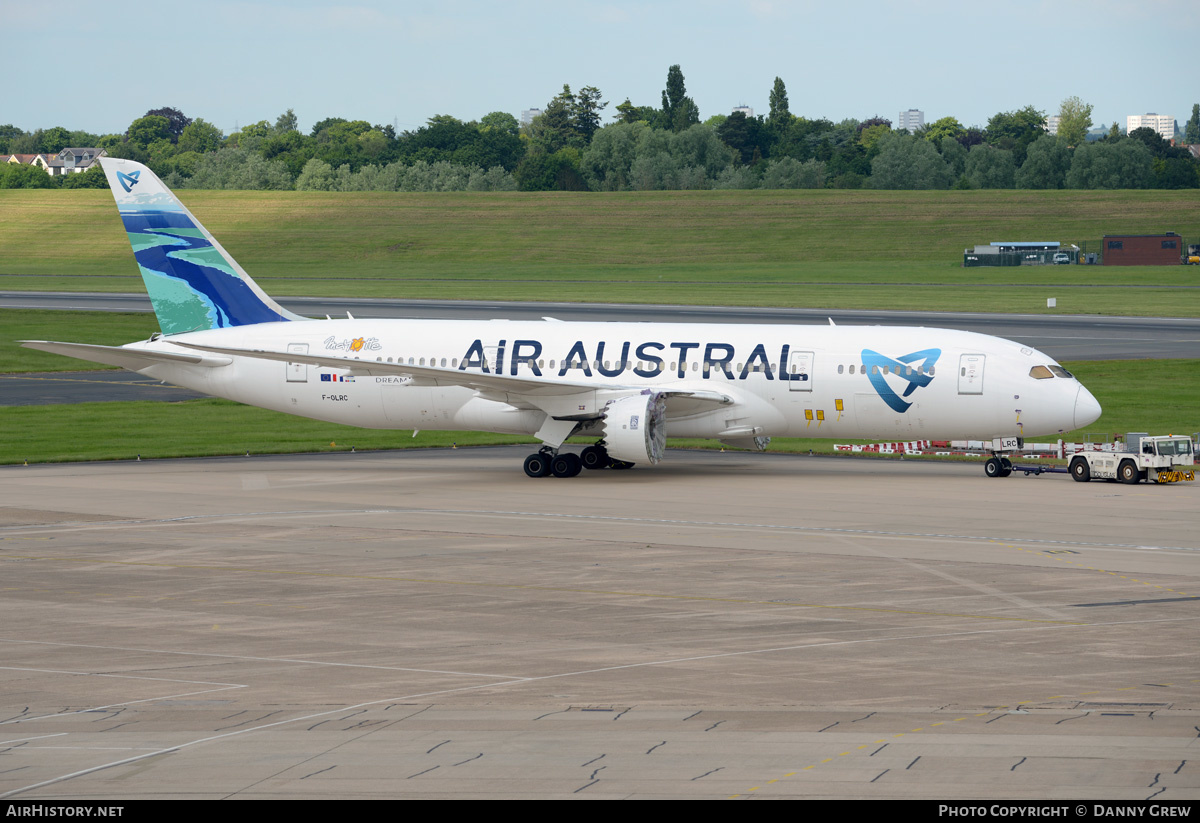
99 67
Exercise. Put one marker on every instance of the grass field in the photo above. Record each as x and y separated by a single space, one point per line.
1131 392
821 249
104 328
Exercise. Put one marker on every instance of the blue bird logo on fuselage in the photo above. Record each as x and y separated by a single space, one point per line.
878 366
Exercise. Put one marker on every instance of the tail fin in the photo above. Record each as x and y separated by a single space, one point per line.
193 282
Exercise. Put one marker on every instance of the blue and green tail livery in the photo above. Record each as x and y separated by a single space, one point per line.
193 282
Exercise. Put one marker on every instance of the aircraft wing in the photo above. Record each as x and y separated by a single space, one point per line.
538 392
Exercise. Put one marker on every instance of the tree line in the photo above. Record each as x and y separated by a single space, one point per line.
567 147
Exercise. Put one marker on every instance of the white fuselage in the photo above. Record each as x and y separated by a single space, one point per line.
799 381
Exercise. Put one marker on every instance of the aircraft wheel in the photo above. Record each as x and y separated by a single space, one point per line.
1080 470
1005 467
537 465
566 464
1128 472
994 468
595 457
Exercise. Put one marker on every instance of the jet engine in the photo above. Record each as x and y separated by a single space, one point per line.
635 427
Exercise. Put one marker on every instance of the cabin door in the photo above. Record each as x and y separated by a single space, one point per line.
297 372
970 373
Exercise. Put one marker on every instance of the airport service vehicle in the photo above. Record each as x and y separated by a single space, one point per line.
625 386
1162 459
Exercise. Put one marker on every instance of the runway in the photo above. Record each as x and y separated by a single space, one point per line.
724 626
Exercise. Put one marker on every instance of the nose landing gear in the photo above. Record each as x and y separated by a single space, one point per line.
997 467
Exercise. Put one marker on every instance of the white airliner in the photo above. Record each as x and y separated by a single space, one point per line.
625 385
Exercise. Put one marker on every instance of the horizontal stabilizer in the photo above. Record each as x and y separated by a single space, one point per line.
126 358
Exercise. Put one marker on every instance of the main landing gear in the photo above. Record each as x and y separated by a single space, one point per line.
547 461
550 461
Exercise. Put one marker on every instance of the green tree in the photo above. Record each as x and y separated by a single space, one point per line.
372 143
790 173
955 155
1046 164
545 171
317 175
945 127
908 162
327 123
93 178
22 176
1126 164
1075 118
1191 133
988 167
54 140
1016 130
1175 173
239 168
629 113
177 121
200 136
150 131
588 106
607 161
747 136
287 122
500 121
780 116
9 132
678 110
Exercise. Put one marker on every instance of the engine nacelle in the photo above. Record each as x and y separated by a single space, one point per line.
635 427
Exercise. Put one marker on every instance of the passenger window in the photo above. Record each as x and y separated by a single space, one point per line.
839 369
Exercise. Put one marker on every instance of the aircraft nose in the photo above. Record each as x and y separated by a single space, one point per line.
1087 408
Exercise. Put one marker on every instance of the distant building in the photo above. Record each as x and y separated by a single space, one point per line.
1164 124
74 160
527 115
1052 123
42 161
746 110
1142 249
912 120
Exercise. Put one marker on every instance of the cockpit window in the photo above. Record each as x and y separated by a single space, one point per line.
1059 371
1040 373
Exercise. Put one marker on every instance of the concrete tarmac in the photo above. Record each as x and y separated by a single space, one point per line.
52 388
725 625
